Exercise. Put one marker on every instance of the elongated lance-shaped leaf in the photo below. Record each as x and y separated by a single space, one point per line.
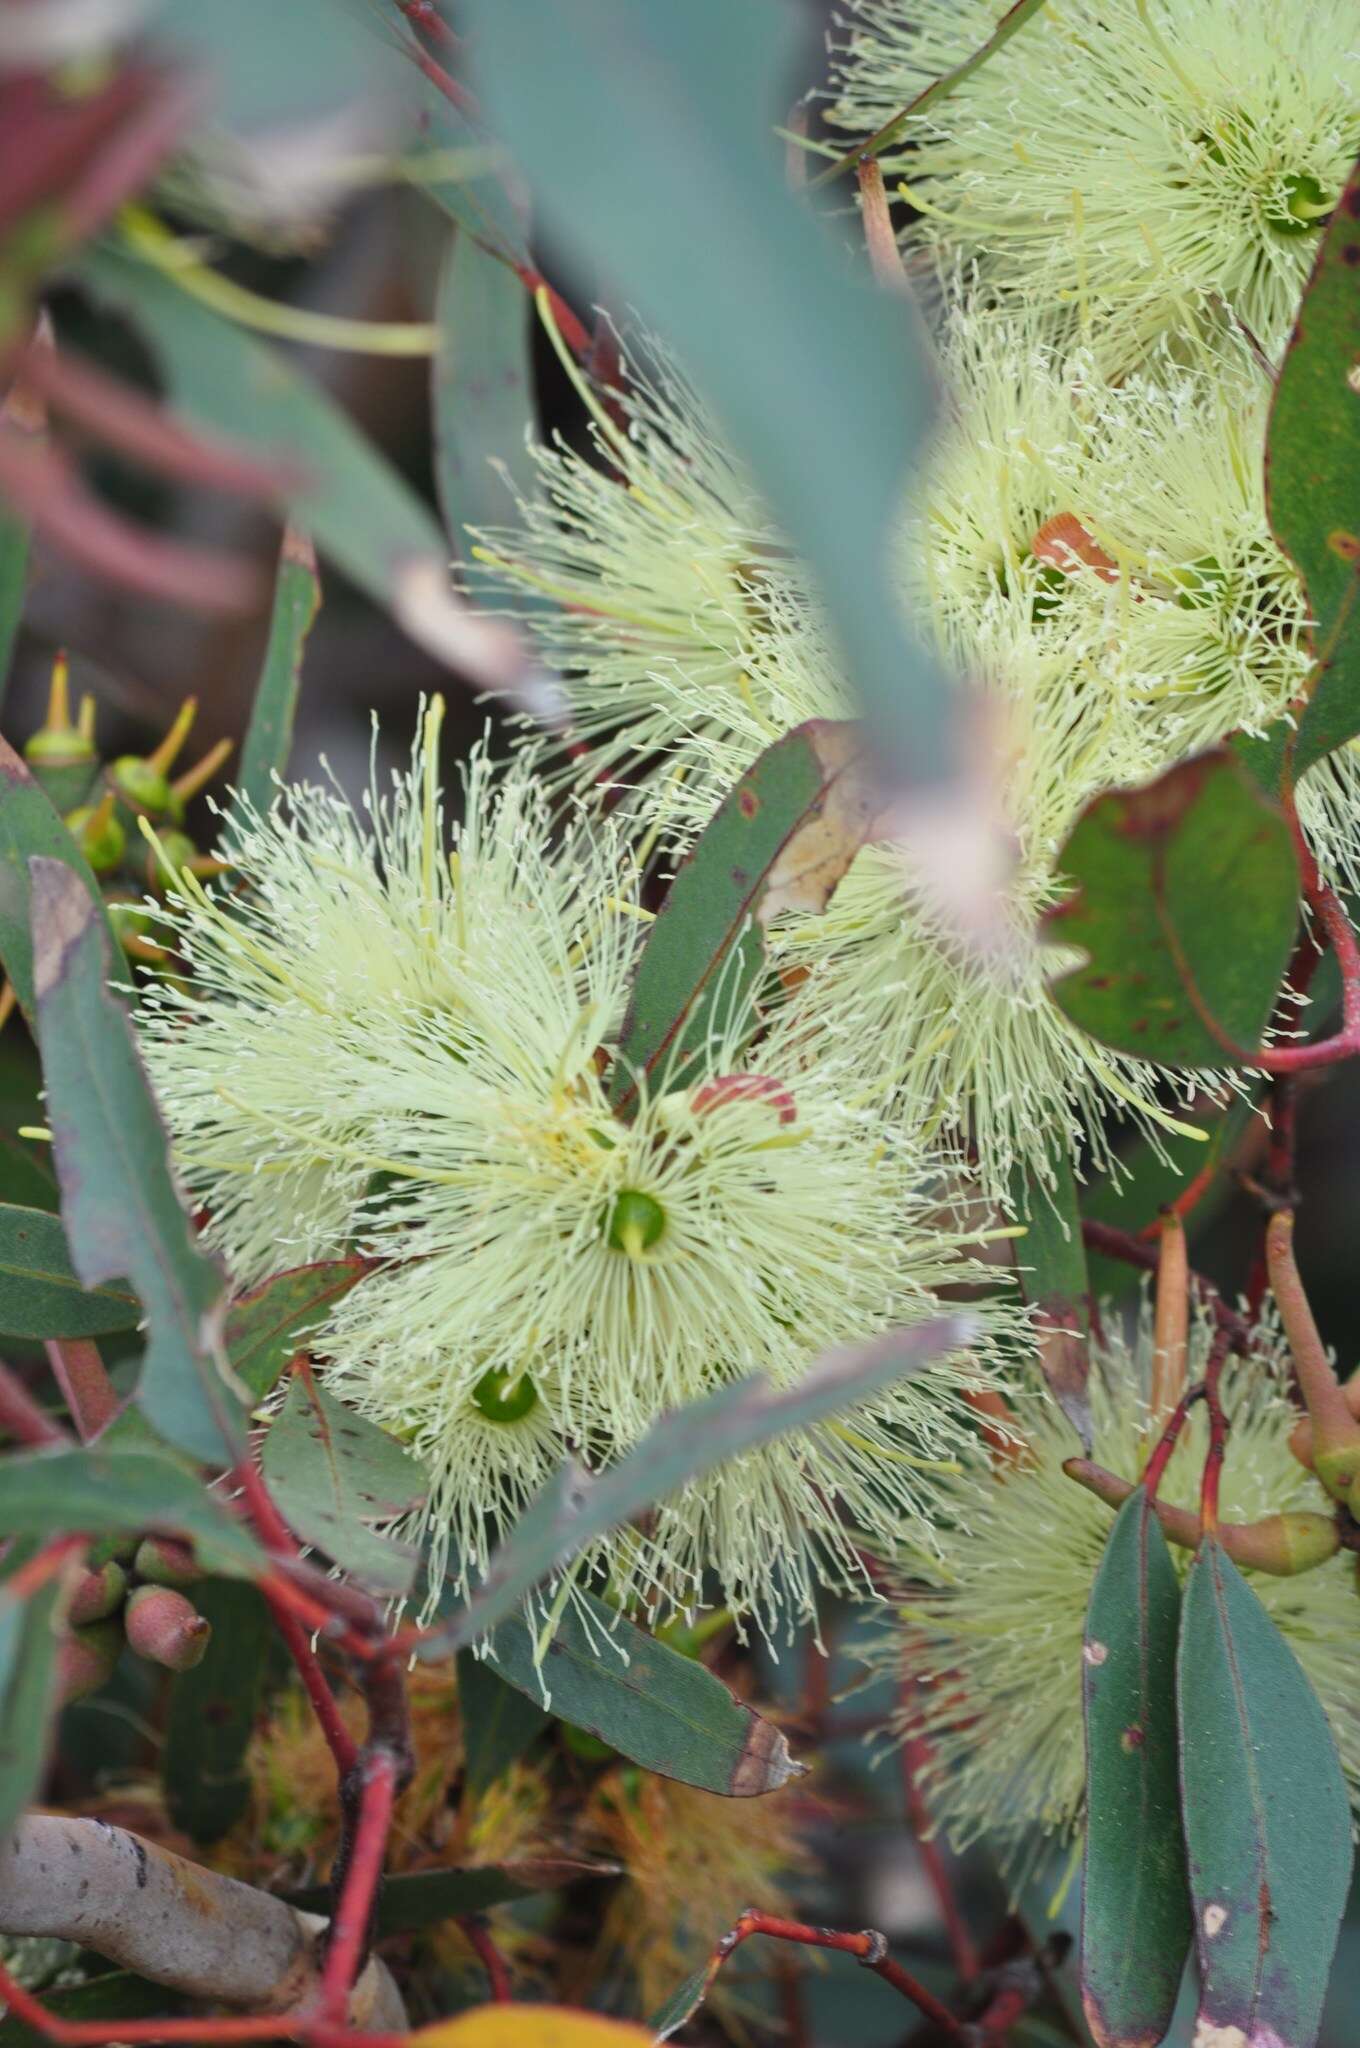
422 1898
29 825
574 1508
331 1474
101 1492
1312 462
269 736
658 1708
28 1685
1135 1927
269 1326
1051 1263
40 1295
605 100
499 1722
212 1712
483 390
1186 904
345 494
1267 1818
780 841
122 1209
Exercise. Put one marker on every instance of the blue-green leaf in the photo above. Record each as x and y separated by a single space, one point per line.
269 736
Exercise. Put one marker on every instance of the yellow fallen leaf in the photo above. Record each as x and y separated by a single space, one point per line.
531 2026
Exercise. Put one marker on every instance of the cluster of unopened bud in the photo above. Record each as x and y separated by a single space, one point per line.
134 1594
108 805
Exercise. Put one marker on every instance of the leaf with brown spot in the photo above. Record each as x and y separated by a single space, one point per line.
1186 904
781 840
1266 1815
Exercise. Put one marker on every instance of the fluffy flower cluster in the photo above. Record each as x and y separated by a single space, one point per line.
388 1044
1127 168
987 1644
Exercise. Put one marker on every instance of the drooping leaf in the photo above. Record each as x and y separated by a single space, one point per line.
422 1898
1186 904
345 494
269 1326
1051 1263
1266 1814
102 1492
659 1709
122 1210
484 411
574 1508
499 1723
28 1685
781 840
40 1295
29 825
605 100
332 1474
212 1713
1136 1927
1312 461
269 735
939 89
546 2026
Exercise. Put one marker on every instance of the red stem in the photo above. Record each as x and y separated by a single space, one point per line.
478 1939
1166 1443
915 1754
22 1418
85 1386
339 1741
349 1929
429 21
868 1947
24 1583
1297 1059
1218 1439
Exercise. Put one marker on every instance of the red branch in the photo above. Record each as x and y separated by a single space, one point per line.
478 1939
1119 1244
1340 935
868 1947
309 2028
22 1418
85 1386
1218 1438
350 1927
915 1754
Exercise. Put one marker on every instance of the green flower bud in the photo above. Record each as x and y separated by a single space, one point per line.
178 849
142 785
634 1222
505 1397
99 835
162 1626
57 747
1306 206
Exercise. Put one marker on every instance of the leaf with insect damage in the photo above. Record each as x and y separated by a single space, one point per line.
1186 904
29 825
120 1203
1136 1927
781 840
1266 1816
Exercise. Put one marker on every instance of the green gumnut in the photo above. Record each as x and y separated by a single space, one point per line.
502 1397
102 840
1337 1466
144 787
634 1222
57 747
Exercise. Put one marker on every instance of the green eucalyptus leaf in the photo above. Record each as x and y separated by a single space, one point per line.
331 1474
1136 1927
1312 462
1266 1814
13 589
97 1491
113 1995
269 736
122 1209
40 1295
1186 905
605 101
662 1710
28 826
780 840
28 1693
499 1723
483 390
269 1326
212 1712
422 1898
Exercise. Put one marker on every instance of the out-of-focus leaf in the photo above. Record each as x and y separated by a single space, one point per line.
1051 1261
1266 1814
347 496
29 825
575 1507
40 1295
269 736
484 411
1136 1900
661 1710
268 67
546 2026
939 89
116 1995
482 204
683 2002
422 1898
499 1723
28 1684
1186 903
122 1209
269 1326
13 586
1151 1175
781 840
331 1474
212 1712
603 101
102 1492
1312 461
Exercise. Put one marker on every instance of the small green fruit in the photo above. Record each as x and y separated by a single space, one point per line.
634 1222
99 835
144 787
505 1397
